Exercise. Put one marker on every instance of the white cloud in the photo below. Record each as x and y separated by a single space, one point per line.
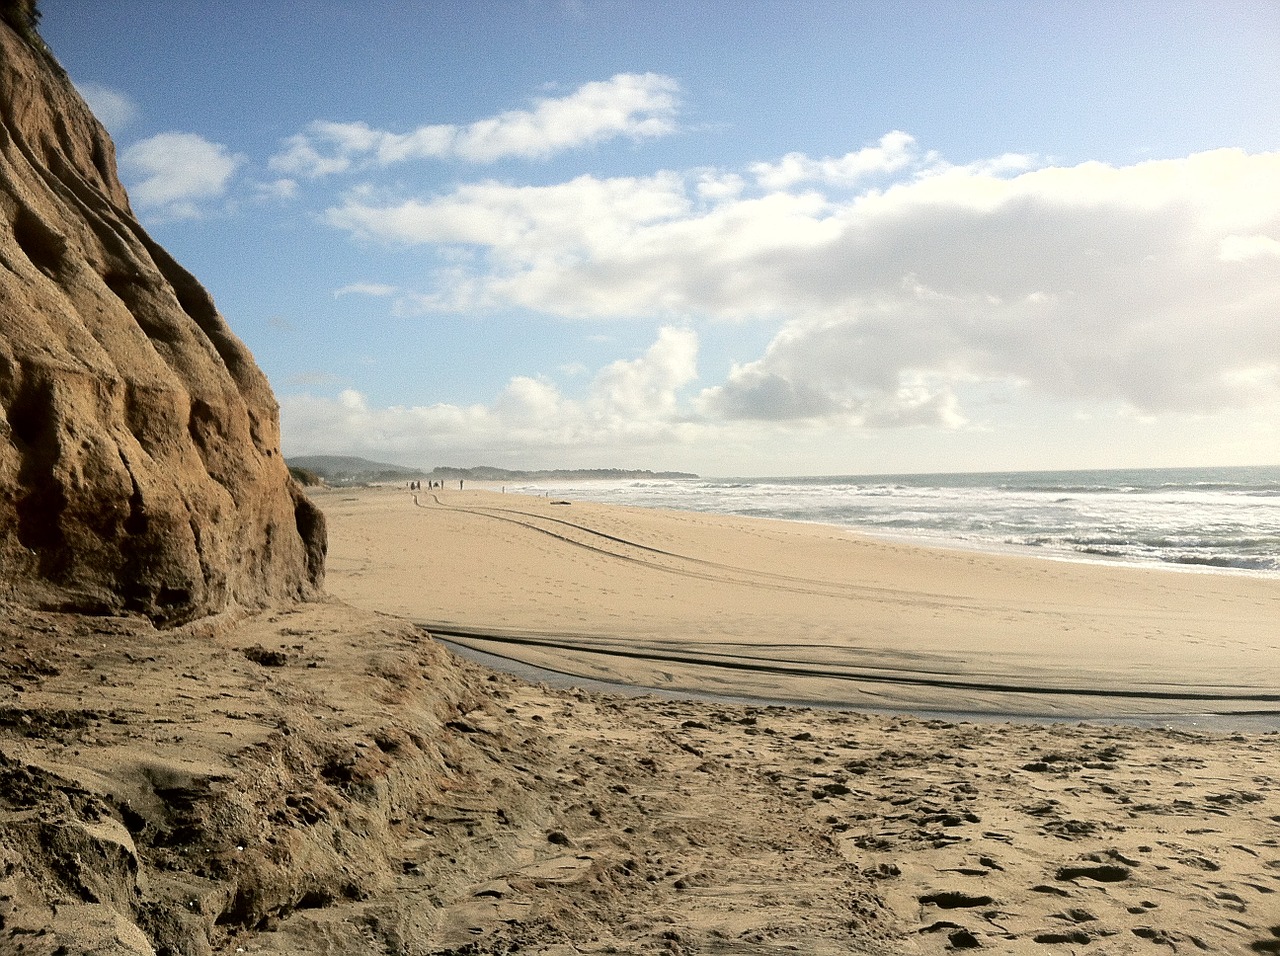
717 186
598 248
114 110
631 404
1151 285
637 106
536 229
894 151
632 105
586 213
752 392
174 175
645 388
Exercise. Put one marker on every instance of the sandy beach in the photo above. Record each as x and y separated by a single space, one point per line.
243 713
327 778
817 831
785 611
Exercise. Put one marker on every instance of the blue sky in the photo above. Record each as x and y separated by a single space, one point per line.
737 238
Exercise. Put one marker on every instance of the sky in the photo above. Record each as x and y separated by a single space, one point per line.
738 238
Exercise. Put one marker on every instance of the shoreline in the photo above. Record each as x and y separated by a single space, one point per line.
1030 553
993 548
778 610
927 539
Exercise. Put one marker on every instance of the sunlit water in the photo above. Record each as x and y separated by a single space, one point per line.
1223 519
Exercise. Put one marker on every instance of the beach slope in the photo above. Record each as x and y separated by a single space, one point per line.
783 611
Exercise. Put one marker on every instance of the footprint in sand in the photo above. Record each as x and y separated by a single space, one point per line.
954 899
958 937
1071 936
1104 873
1049 890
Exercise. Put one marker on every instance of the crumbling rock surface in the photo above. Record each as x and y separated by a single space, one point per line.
140 468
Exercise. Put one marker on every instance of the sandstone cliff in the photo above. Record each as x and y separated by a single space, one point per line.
140 468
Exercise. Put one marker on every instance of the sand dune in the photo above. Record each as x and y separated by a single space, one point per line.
785 611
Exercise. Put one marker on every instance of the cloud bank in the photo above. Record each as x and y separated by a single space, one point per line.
631 403
902 290
1153 285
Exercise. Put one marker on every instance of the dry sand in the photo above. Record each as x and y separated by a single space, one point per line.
811 831
326 779
798 612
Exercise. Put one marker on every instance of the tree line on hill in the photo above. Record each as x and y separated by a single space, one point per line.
348 470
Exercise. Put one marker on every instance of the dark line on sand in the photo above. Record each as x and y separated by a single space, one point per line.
462 635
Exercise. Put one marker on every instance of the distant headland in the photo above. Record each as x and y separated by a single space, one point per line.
350 470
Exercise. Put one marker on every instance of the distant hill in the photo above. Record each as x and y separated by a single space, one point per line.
349 470
486 473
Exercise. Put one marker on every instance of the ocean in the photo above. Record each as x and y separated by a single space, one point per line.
1224 520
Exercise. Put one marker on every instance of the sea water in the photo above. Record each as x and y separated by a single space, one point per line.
1207 519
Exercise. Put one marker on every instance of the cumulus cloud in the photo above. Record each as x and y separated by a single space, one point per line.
645 388
595 247
585 213
1151 285
114 110
632 105
631 403
894 151
755 393
815 375
718 186
175 175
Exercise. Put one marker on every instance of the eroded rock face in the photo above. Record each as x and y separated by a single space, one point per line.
140 467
